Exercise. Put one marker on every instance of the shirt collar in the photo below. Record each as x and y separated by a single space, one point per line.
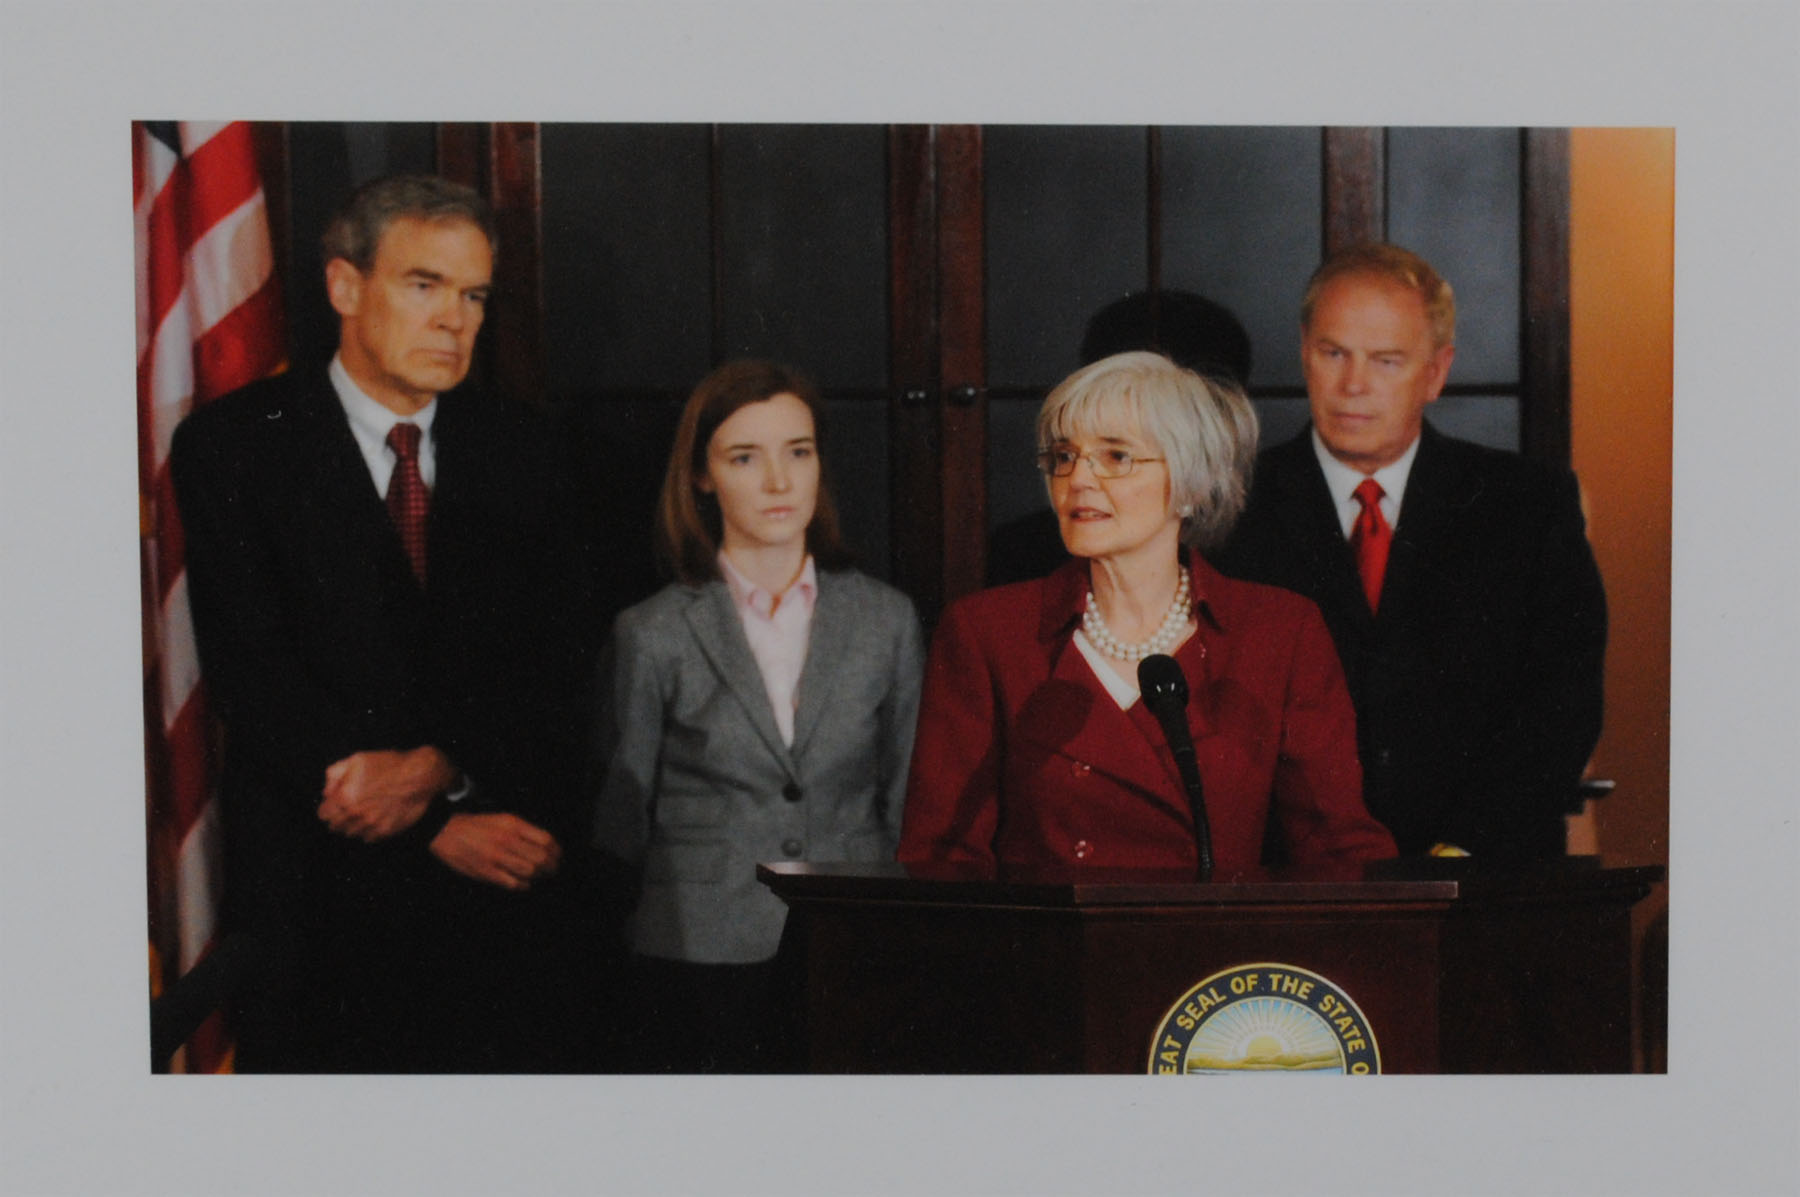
369 419
746 593
1342 480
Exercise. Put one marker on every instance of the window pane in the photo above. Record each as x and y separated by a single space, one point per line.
627 277
390 148
1015 487
1065 212
805 248
858 472
1453 196
1241 226
1491 420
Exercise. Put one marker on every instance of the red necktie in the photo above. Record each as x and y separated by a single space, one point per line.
1370 537
408 502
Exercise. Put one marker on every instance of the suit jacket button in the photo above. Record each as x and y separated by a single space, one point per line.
1081 768
791 791
1083 849
792 847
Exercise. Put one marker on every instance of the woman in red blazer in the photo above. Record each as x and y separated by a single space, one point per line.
1033 747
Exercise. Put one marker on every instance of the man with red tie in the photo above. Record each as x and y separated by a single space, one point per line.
1457 580
386 596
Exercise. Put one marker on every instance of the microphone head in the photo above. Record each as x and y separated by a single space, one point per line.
1162 683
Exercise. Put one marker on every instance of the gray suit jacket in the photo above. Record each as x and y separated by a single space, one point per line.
697 786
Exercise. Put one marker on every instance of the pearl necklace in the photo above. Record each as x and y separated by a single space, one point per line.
1166 637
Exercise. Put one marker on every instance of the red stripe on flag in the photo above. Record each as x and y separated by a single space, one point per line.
202 190
137 164
224 176
187 764
171 544
237 350
163 253
210 1048
215 181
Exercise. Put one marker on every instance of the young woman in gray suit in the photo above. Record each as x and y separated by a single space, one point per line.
760 707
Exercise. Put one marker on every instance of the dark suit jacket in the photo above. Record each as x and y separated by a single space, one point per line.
1022 758
316 642
1478 685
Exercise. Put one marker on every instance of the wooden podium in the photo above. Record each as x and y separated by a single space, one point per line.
1448 968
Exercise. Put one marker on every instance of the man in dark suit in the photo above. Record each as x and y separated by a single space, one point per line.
1457 581
385 595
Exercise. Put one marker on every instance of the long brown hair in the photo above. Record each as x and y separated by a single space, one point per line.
689 529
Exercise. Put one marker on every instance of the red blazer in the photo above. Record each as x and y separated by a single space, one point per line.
1023 758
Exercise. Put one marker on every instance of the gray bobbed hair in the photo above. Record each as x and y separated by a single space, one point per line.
1204 428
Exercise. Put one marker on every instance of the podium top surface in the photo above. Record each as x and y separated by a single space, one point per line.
1425 882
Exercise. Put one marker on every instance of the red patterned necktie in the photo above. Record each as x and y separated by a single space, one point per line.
1370 537
408 502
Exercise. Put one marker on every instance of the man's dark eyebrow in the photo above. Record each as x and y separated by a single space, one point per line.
1396 351
432 276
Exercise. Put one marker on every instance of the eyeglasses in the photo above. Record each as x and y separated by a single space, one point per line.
1109 462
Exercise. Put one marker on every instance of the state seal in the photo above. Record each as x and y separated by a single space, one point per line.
1264 1017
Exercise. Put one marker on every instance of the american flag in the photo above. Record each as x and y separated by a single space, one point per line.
208 321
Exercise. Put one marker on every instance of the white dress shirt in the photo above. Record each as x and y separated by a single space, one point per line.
370 423
778 627
1123 690
1342 480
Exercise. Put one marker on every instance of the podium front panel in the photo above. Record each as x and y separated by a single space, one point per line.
946 971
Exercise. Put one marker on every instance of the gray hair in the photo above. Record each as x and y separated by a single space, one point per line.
1204 428
356 230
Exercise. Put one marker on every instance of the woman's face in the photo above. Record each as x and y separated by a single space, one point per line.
1115 517
763 467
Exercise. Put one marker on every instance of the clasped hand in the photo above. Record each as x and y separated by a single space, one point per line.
372 795
498 848
376 794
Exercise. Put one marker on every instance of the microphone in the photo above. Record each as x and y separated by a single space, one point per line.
1165 692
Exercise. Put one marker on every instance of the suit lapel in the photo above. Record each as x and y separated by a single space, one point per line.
1309 516
720 635
341 490
336 487
1435 491
827 647
1108 740
462 496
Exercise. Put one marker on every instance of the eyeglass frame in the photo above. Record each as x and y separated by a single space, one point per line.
1132 460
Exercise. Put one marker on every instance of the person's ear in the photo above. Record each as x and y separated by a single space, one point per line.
344 286
1440 368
